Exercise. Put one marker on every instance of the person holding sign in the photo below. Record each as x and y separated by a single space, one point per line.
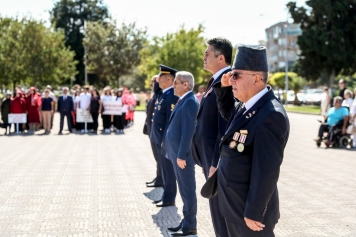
119 119
18 106
106 117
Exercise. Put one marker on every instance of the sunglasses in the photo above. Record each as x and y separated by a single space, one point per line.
236 75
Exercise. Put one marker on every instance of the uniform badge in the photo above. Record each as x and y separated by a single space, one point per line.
242 139
233 143
159 107
172 107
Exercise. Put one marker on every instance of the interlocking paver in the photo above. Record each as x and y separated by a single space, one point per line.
94 185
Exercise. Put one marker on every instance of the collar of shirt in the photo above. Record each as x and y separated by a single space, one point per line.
254 99
216 75
165 90
181 98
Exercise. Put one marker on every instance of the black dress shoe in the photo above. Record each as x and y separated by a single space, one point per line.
60 133
175 229
154 185
158 201
185 233
151 181
167 204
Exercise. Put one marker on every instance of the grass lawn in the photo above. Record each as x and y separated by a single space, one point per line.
140 108
308 109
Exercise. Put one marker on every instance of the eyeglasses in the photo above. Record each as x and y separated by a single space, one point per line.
236 75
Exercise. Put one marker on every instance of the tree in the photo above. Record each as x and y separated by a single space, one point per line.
328 41
295 83
32 54
113 52
182 50
70 15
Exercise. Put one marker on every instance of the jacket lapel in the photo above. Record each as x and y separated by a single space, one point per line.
189 95
246 117
206 94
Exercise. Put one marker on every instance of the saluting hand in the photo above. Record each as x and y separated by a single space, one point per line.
225 80
181 163
254 225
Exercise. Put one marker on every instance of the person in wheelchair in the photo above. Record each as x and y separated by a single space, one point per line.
337 117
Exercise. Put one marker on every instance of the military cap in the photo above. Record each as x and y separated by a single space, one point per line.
164 70
251 59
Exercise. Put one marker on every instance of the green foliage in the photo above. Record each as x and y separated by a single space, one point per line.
113 52
69 16
33 54
182 50
328 42
295 82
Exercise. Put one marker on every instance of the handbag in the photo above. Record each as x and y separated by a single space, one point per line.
210 188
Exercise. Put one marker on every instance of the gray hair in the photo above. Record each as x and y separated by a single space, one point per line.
65 88
347 91
338 98
184 76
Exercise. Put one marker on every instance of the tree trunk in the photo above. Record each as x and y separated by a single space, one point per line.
331 78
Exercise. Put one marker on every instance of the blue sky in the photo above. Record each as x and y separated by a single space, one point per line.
241 21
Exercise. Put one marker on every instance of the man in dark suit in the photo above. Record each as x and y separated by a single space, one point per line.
252 147
65 107
210 125
163 108
177 144
157 181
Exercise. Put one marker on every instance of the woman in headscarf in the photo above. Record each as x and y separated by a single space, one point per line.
33 103
119 119
18 106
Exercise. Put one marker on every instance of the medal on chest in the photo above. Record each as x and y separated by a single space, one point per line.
238 140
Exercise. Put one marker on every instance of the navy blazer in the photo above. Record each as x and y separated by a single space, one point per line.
247 180
178 139
66 106
149 117
209 129
164 105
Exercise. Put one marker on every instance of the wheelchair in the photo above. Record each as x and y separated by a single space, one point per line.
334 137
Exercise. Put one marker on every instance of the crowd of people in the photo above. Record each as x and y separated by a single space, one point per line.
338 111
227 129
41 106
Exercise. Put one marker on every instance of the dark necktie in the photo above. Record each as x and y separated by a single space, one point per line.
178 101
239 113
209 83
65 97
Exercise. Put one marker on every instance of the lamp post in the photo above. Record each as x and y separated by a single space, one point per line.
85 58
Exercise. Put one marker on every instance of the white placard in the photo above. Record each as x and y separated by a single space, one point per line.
17 118
83 116
112 107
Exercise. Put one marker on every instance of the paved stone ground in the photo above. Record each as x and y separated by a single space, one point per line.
94 185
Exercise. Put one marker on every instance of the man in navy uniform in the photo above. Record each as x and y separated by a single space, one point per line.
164 105
157 181
177 143
65 107
252 147
210 125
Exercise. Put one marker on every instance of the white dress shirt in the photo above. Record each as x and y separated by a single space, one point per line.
85 99
217 74
251 102
163 91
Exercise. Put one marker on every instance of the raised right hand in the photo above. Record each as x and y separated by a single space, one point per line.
225 80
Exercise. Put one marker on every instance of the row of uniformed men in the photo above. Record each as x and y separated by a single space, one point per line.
246 137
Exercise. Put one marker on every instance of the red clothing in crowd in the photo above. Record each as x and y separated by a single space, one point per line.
33 102
131 103
18 105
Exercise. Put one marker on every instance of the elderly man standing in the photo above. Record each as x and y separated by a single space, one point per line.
177 144
163 108
252 147
65 107
210 125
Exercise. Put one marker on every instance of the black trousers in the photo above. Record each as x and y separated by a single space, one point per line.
159 180
119 122
20 127
323 128
95 124
69 121
236 230
106 121
124 117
